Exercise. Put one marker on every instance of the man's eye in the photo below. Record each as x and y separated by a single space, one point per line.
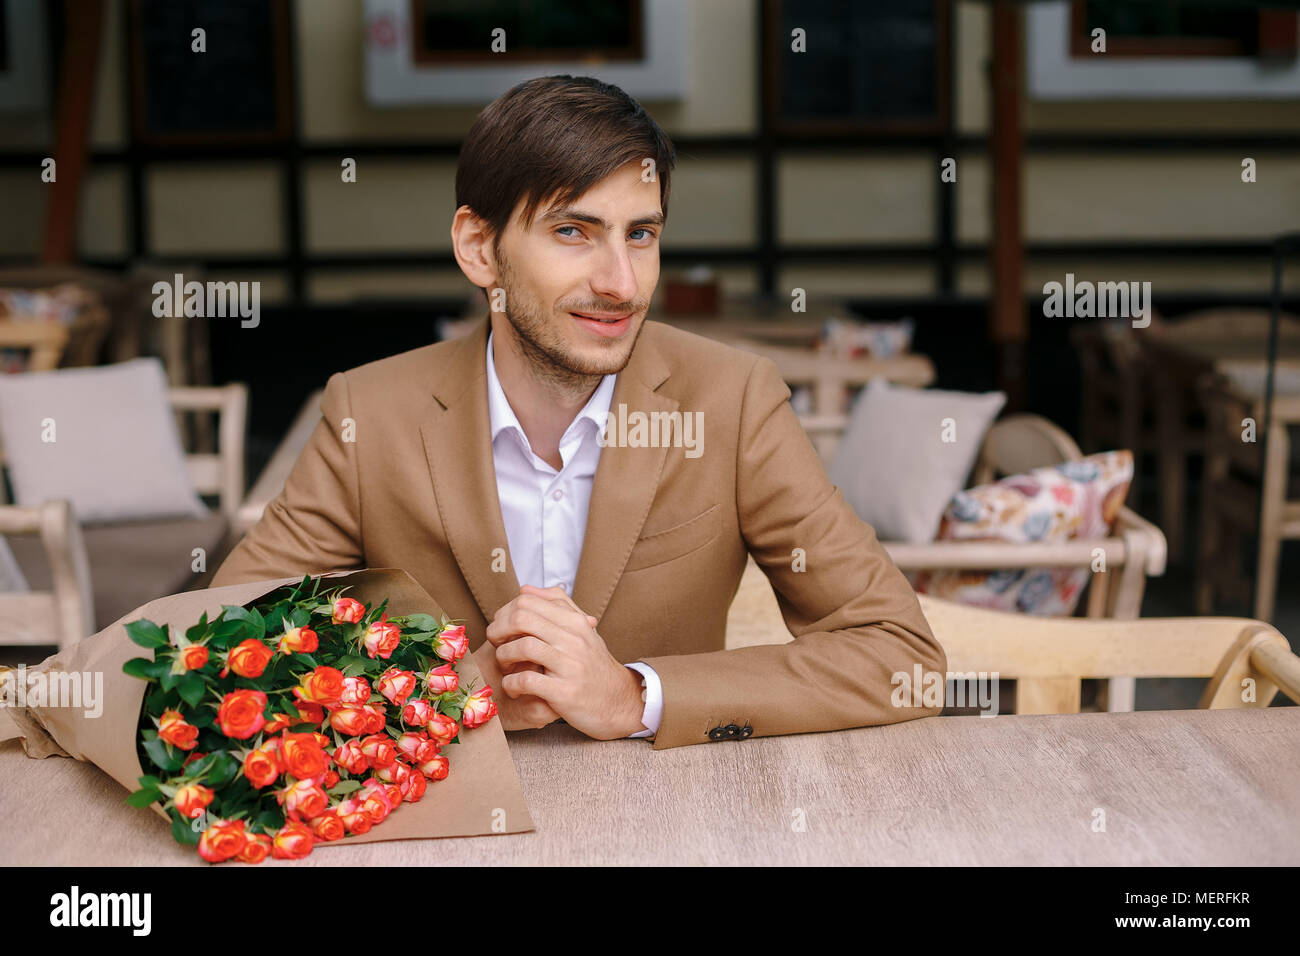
648 233
566 227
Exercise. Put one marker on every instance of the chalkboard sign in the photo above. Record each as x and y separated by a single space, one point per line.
235 90
865 68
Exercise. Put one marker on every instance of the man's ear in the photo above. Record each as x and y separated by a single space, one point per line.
471 242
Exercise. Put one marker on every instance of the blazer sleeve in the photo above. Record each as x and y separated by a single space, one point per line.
855 619
314 524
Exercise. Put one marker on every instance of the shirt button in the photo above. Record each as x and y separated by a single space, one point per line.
557 494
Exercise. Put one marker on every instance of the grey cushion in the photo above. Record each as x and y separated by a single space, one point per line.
132 562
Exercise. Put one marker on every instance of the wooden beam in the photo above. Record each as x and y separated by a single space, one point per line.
83 27
1008 325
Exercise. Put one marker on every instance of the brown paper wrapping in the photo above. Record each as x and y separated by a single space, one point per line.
481 792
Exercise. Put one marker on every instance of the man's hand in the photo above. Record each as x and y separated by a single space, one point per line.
525 712
580 680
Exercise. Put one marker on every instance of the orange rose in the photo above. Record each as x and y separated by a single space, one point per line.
293 842
303 757
479 709
378 718
354 820
417 713
305 800
194 656
356 690
242 713
436 768
173 729
413 786
417 747
297 640
278 722
261 768
222 840
323 686
257 849
192 800
347 611
382 638
452 644
442 680
352 721
379 750
248 658
310 712
442 729
350 757
396 685
328 826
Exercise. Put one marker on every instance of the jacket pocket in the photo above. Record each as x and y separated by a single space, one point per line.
675 542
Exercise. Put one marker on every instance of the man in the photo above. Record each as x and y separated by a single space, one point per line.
594 568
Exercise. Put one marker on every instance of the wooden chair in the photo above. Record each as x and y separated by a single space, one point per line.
66 612
270 482
1247 661
1232 489
43 341
1113 412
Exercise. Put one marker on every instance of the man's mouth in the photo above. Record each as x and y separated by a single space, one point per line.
606 325
609 318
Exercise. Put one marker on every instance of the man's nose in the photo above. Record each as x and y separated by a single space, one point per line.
615 277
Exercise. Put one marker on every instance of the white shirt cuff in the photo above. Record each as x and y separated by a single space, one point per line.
654 700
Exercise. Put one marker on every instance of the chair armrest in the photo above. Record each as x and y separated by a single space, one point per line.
995 555
221 473
277 470
1129 524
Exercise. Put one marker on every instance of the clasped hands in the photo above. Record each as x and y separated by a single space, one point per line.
542 651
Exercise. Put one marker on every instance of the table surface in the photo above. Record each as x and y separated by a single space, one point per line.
1173 787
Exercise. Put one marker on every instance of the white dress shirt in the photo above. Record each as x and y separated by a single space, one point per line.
545 511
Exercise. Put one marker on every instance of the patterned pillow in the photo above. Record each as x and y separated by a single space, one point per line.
1077 499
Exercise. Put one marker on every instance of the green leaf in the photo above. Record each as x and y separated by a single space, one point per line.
420 637
344 786
195 633
147 634
146 669
452 712
158 753
224 768
352 666
183 833
142 798
191 689
270 820
421 622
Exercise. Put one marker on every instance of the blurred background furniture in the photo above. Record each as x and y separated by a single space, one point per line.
1177 355
1048 657
1235 478
1114 412
61 611
271 481
132 562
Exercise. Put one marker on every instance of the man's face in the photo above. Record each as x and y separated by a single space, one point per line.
580 266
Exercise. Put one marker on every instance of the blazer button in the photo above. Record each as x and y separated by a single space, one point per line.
733 731
746 731
717 733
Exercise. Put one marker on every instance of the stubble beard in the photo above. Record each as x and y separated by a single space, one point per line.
543 347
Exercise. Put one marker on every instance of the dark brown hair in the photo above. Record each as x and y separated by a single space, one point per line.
554 137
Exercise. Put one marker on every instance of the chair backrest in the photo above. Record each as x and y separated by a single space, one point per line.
44 342
1019 443
64 614
1247 661
1230 321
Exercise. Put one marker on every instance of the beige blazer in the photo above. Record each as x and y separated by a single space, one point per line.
668 532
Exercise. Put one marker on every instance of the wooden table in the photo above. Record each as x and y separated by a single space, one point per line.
1176 787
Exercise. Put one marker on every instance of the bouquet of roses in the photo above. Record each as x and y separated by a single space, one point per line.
302 717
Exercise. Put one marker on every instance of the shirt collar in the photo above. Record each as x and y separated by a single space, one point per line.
502 416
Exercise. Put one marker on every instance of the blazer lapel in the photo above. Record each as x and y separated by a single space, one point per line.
625 483
458 446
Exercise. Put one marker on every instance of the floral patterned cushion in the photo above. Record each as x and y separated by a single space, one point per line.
1077 499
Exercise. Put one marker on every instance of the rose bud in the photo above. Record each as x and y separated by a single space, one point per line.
356 691
378 718
297 640
443 679
379 750
305 800
396 685
350 757
241 713
395 772
303 756
191 758
272 746
222 840
309 712
261 768
328 826
349 811
194 657
193 799
257 849
331 778
413 787
479 709
436 768
323 686
452 644
347 611
417 713
321 738
277 723
412 744
394 793
248 658
173 729
382 638
293 842
442 729
376 804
